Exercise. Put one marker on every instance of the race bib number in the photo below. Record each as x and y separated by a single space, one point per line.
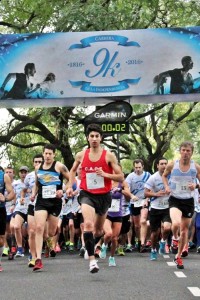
94 181
139 203
163 203
115 205
23 205
49 191
182 186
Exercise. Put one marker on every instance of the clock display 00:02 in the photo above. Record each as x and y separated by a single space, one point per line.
115 127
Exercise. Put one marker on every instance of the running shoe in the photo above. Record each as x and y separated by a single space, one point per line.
30 257
57 249
5 251
128 248
184 252
143 249
148 244
191 245
198 249
111 262
120 251
82 252
31 263
93 266
11 256
1 269
174 246
153 255
38 265
162 248
67 244
19 254
71 247
97 251
167 249
13 249
52 253
179 263
102 254
86 256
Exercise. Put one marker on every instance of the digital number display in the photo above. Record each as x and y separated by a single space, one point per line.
114 127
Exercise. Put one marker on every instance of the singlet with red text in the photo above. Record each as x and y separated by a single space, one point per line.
90 181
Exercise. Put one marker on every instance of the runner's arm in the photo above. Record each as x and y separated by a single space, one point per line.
165 175
72 173
9 188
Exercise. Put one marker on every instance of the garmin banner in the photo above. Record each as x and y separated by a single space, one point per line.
113 117
94 68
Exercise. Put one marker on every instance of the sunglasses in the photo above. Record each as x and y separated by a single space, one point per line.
38 161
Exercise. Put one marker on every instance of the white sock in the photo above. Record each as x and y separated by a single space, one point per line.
92 261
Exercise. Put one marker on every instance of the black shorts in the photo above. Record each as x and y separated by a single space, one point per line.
78 220
125 224
114 219
8 218
66 218
100 202
24 216
69 216
156 216
31 209
185 206
2 220
52 206
136 211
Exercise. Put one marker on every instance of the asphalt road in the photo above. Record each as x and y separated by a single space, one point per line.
135 277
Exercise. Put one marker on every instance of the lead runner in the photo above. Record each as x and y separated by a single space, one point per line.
98 168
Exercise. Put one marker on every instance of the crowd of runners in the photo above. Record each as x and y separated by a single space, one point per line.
93 209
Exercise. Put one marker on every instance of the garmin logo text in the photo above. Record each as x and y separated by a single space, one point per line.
110 115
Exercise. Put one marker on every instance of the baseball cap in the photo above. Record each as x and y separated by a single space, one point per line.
24 168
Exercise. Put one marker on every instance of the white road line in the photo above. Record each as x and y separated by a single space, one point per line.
171 263
180 274
195 291
166 256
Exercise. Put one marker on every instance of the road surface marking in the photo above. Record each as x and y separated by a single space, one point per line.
171 263
180 274
195 291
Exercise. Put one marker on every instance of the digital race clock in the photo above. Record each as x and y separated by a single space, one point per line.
113 127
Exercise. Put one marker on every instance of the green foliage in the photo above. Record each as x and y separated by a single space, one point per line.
88 15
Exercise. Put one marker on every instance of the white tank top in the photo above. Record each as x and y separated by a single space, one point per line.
179 181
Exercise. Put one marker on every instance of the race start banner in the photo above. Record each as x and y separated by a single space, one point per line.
94 68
